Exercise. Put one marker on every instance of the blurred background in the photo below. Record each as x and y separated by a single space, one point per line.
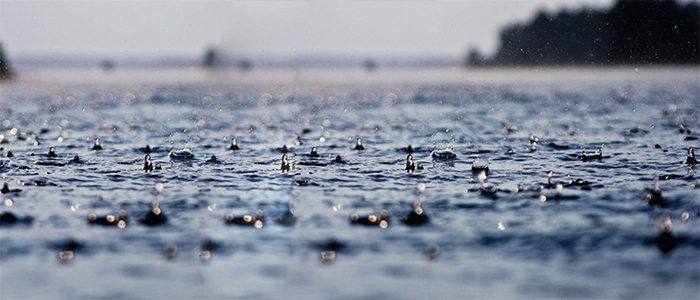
241 34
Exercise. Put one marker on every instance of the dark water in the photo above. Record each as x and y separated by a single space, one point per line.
595 241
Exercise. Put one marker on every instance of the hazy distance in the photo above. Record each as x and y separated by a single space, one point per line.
262 29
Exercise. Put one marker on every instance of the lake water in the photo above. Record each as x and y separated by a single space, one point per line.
596 240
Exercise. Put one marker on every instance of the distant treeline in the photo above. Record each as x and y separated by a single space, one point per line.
5 71
631 32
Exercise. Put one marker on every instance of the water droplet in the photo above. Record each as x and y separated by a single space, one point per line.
170 251
333 101
666 224
328 256
501 226
205 256
208 101
265 99
421 187
159 186
66 256
685 216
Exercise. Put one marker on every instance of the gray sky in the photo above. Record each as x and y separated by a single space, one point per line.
133 28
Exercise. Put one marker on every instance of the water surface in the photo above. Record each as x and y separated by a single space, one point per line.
598 241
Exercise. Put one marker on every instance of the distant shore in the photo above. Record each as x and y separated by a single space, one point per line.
629 33
343 76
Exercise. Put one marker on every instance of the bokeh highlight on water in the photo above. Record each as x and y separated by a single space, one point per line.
524 240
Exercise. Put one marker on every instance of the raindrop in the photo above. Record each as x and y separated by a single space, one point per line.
159 187
421 187
685 216
501 226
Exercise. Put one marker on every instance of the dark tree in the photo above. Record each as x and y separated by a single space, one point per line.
210 58
369 65
475 58
244 65
5 71
107 65
631 32
653 32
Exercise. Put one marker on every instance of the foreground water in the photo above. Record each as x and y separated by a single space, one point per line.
599 240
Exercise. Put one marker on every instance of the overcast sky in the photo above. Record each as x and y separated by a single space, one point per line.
152 28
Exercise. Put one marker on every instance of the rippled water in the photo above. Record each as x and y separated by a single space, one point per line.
596 241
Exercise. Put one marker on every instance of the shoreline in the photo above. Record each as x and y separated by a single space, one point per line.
343 76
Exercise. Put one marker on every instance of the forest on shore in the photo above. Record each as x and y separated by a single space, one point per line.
630 32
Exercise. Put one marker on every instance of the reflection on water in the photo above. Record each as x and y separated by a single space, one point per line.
506 190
